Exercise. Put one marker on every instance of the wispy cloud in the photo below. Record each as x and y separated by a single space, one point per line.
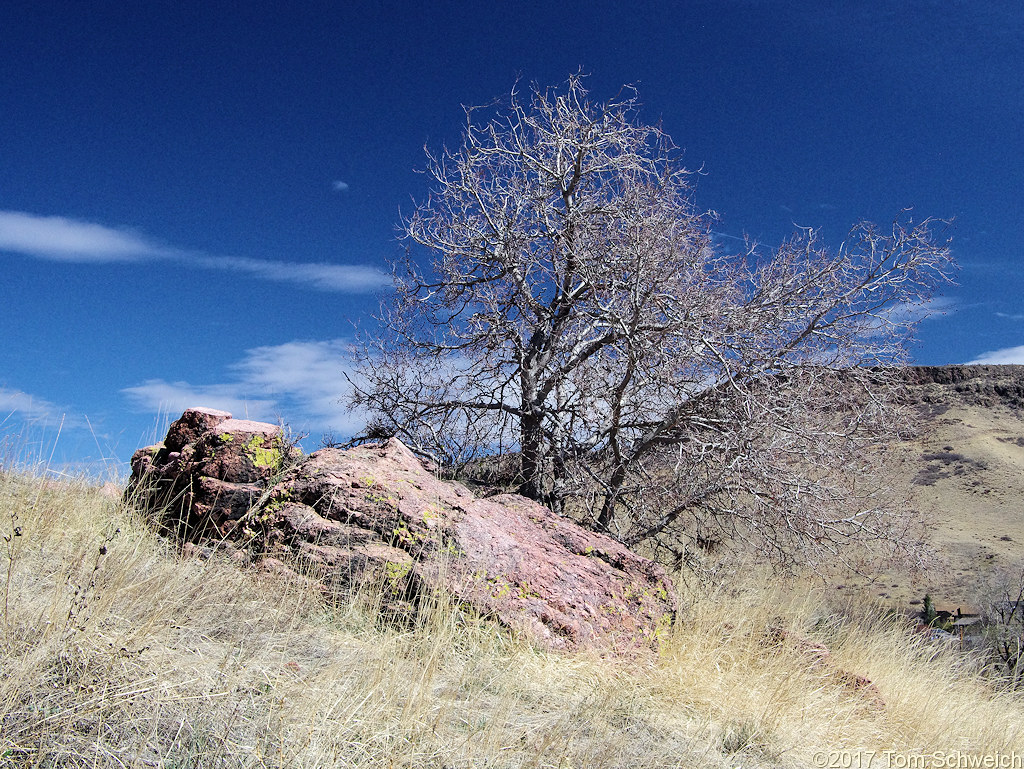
70 240
61 239
720 236
1003 357
914 313
26 407
1010 316
342 278
300 382
162 397
339 186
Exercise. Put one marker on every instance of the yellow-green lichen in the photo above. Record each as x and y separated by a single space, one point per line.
453 550
525 591
380 499
396 571
405 536
278 502
499 587
261 456
663 628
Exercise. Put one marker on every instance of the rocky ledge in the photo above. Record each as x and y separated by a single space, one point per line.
374 512
969 385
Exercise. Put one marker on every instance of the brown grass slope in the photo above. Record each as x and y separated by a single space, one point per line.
117 652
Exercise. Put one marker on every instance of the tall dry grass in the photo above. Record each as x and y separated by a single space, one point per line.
116 652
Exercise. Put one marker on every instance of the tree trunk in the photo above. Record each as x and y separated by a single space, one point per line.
611 498
532 457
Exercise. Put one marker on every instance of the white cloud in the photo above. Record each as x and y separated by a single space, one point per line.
70 240
61 239
31 408
300 382
914 313
343 278
339 186
172 398
1009 316
1006 356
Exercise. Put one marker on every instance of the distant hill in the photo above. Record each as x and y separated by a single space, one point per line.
965 472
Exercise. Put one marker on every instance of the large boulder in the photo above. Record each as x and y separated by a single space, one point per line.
208 472
374 511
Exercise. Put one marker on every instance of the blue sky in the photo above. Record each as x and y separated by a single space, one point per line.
198 200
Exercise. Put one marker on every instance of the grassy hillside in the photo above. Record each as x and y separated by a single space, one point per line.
964 472
117 652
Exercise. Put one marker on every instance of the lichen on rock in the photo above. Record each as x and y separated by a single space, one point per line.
374 511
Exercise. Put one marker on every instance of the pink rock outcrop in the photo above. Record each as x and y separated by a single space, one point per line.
374 511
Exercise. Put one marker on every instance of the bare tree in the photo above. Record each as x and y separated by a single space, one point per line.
1003 605
576 309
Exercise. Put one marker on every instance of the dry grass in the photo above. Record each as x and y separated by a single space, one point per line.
115 652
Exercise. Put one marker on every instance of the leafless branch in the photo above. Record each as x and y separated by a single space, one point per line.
562 298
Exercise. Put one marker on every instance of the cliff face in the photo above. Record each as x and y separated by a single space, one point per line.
984 386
